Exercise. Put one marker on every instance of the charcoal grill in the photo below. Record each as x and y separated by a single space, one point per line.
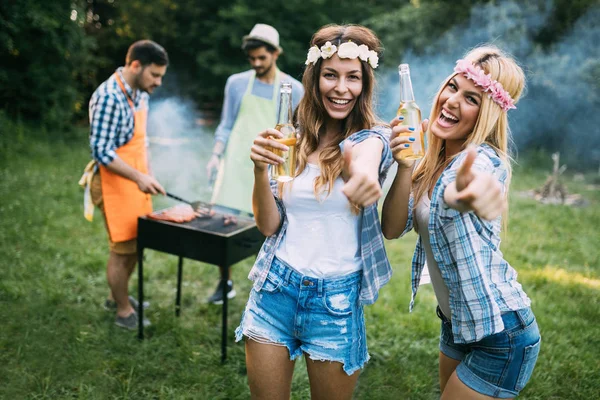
206 240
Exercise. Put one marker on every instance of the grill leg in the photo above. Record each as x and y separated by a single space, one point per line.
179 278
224 311
140 310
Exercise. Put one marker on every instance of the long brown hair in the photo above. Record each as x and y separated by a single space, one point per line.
311 113
491 126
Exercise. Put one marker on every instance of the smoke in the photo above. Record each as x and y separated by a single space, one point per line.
559 111
179 148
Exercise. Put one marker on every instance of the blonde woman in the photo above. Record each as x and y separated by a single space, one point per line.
489 339
323 258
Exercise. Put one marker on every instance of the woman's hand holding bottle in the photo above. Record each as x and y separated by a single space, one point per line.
400 139
261 152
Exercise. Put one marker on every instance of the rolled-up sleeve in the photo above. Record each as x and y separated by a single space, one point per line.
105 121
487 161
383 133
280 207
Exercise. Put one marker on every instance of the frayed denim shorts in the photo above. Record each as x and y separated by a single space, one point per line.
499 365
319 317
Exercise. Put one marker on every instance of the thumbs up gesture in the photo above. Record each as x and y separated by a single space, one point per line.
475 191
362 181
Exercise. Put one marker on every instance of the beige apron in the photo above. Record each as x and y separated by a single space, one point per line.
235 180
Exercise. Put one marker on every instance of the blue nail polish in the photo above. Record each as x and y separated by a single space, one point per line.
412 139
407 145
411 129
401 118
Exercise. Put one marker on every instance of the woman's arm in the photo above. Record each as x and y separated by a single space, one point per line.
396 204
361 170
475 190
265 208
394 214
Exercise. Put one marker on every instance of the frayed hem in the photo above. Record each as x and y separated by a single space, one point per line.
347 370
358 367
240 334
257 337
262 340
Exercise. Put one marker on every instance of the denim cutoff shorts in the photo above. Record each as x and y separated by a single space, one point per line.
498 365
319 317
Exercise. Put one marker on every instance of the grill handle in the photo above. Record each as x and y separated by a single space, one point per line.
171 195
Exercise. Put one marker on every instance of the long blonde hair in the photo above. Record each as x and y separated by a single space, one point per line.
311 113
491 126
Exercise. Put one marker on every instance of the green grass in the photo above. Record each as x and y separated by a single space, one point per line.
56 342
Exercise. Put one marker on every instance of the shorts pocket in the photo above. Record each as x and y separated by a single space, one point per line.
272 283
488 362
529 360
340 302
489 357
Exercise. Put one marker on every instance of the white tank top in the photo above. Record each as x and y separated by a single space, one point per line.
322 239
439 286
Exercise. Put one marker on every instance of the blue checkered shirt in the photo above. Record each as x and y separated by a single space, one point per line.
111 117
376 270
481 283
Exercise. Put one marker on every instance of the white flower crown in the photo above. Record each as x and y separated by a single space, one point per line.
346 50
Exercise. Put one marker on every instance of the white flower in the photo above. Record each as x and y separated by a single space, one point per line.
327 50
313 55
348 50
363 52
373 59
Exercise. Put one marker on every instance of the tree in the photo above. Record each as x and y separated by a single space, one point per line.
45 58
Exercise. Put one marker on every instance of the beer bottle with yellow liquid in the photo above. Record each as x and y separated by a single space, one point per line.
285 171
412 116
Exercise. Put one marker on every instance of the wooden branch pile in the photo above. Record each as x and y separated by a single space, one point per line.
554 191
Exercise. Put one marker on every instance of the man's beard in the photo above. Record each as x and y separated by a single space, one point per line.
140 84
265 71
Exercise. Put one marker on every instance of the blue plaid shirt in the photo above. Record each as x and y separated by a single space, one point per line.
376 267
466 248
111 117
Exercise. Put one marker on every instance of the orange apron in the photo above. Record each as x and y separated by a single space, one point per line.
124 202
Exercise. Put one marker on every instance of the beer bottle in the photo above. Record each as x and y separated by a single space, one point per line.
285 171
412 116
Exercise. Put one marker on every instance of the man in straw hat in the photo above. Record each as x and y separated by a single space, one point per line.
249 106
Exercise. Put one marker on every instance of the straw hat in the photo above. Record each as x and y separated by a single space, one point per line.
265 33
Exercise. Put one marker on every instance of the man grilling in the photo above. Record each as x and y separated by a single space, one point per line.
120 183
249 106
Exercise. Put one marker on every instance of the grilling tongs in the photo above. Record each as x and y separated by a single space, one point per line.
196 205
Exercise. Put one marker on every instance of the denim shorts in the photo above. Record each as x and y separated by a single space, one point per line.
319 317
499 365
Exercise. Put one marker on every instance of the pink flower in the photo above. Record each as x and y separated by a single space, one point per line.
490 86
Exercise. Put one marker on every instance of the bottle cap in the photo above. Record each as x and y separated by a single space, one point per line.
286 87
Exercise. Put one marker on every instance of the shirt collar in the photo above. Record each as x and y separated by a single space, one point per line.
130 92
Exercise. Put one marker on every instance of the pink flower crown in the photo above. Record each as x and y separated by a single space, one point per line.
493 88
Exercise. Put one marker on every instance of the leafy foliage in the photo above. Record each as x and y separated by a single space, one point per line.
54 54
46 57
